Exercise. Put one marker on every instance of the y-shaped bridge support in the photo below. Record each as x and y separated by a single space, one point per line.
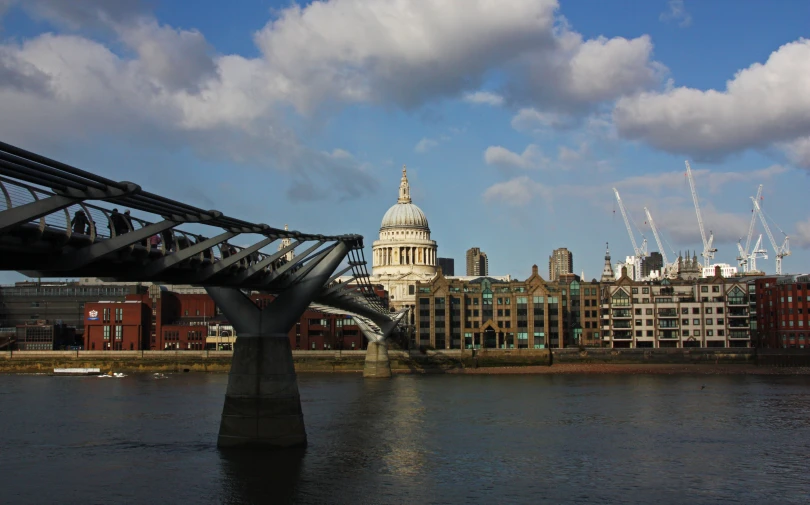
262 404
377 364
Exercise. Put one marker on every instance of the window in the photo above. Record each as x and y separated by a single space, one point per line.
411 289
708 310
638 333
709 333
106 315
684 322
645 291
198 312
709 320
684 310
119 332
106 333
648 312
715 289
695 333
719 310
696 322
649 333
638 322
635 291
685 333
704 289
695 310
637 312
649 322
721 321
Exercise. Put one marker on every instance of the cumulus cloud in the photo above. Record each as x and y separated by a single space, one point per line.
484 97
531 158
530 119
516 192
676 12
763 104
579 74
168 85
425 145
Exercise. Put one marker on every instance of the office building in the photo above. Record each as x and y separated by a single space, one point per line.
652 263
448 266
477 262
486 312
560 262
780 311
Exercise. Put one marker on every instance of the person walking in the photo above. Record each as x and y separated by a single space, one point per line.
80 222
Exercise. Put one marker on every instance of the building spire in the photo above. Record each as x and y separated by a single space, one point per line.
607 272
404 188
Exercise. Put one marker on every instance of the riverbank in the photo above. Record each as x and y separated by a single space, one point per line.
638 369
489 361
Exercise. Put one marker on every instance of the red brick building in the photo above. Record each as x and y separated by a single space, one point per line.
116 326
164 320
783 311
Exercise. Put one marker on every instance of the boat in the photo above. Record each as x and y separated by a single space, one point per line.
75 371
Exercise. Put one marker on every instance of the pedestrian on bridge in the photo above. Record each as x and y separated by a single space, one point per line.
80 223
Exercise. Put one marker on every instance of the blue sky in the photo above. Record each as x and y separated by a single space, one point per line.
515 118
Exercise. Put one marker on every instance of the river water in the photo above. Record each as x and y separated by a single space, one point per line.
414 439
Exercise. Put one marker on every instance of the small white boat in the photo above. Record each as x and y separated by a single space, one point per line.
110 374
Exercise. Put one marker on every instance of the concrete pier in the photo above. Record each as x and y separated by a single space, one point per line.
377 364
262 404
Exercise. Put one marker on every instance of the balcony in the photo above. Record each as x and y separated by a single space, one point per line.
738 323
667 313
668 324
737 312
623 324
737 301
622 314
669 334
739 335
622 335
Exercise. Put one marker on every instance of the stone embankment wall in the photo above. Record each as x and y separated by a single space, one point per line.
401 361
684 356
305 361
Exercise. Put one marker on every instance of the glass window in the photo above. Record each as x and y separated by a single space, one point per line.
696 322
709 320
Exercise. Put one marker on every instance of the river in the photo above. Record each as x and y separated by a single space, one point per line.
414 439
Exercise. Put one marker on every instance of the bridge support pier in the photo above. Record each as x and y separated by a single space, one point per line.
262 405
377 365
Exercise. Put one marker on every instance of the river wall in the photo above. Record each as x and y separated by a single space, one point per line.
401 361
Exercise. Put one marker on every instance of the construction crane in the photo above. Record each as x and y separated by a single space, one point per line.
781 251
744 258
668 267
757 252
638 252
708 250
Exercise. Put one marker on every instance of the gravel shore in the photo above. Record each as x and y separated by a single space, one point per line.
698 369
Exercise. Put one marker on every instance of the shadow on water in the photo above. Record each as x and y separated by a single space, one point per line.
260 476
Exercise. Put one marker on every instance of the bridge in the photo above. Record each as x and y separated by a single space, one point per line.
56 220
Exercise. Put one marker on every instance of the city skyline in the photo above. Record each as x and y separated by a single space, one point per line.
504 154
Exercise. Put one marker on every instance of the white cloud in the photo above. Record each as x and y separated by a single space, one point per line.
154 83
798 151
531 157
530 119
579 74
802 237
764 104
516 192
676 11
425 145
484 97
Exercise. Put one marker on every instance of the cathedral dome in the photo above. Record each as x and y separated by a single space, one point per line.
404 214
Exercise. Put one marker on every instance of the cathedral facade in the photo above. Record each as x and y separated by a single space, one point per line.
404 253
